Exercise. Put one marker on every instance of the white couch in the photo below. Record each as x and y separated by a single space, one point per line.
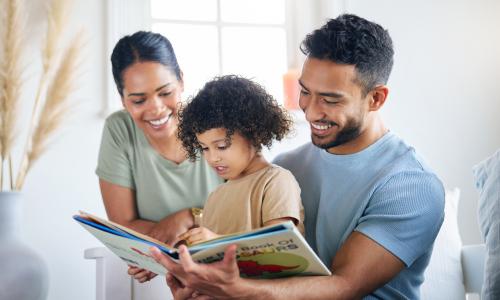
455 272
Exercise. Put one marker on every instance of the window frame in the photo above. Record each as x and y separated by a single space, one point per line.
124 17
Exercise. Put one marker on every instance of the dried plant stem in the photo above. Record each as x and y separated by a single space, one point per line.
57 19
58 12
11 173
11 81
54 108
33 119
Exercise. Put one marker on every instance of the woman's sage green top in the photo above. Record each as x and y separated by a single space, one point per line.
161 187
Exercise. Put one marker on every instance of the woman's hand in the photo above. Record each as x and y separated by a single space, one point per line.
197 235
168 229
140 275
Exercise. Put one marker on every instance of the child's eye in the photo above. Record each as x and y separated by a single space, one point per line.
204 149
222 147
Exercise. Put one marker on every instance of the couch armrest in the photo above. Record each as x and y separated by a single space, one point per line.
112 280
472 258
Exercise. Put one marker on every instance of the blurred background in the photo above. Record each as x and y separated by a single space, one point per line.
444 98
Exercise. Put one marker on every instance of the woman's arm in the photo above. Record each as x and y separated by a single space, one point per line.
121 208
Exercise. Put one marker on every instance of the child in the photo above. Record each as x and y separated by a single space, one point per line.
229 121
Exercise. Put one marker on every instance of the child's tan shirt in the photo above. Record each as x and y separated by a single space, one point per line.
247 203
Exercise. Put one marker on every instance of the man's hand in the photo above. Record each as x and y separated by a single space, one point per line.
197 235
180 291
220 280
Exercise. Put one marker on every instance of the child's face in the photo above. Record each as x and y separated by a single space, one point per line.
230 160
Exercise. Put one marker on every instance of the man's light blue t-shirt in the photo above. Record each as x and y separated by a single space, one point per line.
384 191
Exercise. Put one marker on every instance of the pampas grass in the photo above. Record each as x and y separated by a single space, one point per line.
57 19
57 81
10 76
54 109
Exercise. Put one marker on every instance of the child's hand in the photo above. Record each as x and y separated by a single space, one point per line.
197 235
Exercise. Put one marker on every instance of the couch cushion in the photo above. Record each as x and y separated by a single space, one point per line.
487 175
443 276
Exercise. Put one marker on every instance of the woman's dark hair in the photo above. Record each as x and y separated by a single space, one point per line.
238 105
352 40
142 46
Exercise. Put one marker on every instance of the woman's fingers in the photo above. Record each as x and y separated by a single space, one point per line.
140 275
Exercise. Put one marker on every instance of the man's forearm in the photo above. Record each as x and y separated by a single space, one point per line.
310 287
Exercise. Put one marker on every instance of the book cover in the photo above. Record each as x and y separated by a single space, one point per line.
268 252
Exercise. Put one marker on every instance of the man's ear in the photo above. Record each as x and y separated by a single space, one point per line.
377 97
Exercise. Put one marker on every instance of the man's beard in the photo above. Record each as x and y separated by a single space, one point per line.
349 133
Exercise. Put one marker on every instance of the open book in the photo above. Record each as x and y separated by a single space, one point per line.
268 252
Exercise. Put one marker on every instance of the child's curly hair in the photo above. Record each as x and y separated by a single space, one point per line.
238 105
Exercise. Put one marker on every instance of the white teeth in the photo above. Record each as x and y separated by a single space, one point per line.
160 121
320 127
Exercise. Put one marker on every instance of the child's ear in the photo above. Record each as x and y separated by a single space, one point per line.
377 97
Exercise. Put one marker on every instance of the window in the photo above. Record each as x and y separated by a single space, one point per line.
216 37
258 39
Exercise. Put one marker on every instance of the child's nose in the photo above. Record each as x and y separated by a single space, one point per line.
214 158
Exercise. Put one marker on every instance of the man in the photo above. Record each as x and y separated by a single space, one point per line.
373 209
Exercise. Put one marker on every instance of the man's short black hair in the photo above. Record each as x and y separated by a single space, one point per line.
351 40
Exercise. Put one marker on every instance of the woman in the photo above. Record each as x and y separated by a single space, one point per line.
146 182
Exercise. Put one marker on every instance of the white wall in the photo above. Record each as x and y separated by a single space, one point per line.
443 100
445 97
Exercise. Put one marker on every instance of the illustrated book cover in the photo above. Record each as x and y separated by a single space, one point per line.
268 252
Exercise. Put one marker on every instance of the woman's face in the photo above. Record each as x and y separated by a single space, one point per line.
151 94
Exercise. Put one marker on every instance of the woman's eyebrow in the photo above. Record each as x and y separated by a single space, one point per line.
165 85
156 90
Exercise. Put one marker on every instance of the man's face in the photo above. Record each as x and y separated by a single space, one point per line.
333 103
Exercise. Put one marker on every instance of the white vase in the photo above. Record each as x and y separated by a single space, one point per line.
23 274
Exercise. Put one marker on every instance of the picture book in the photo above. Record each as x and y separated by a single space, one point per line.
268 252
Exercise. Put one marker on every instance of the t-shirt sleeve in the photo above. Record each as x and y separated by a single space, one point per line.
114 163
282 198
405 214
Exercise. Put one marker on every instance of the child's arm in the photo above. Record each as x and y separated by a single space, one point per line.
198 235
281 220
